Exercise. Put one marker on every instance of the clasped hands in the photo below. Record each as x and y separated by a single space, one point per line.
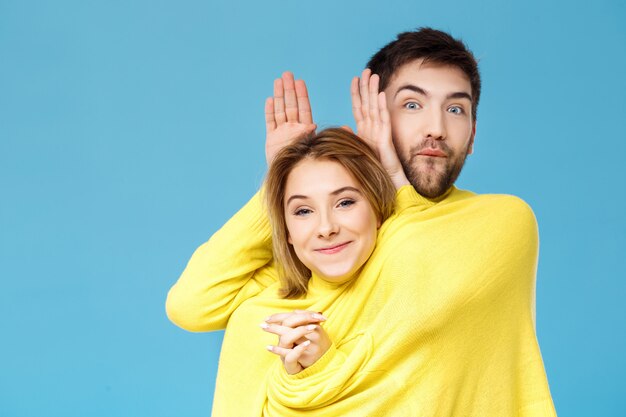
302 340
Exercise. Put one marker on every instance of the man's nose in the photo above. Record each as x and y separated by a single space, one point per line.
436 124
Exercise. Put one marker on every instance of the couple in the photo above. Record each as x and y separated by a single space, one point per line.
377 295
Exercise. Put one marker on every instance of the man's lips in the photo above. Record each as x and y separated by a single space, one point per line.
432 152
329 250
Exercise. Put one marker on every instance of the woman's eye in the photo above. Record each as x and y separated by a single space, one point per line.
346 203
456 109
302 212
412 105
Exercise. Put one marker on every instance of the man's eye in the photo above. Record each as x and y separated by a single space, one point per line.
302 212
412 105
456 110
346 203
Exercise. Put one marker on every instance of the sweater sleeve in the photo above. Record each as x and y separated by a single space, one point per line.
407 199
224 272
336 375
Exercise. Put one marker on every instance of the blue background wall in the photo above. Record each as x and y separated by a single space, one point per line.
131 130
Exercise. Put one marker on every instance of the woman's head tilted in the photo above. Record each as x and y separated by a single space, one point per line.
326 196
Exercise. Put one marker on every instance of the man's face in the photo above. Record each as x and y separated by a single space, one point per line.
432 125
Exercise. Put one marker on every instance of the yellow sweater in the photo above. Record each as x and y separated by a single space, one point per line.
439 322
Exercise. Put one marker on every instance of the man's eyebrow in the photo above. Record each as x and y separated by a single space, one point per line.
336 192
420 90
413 88
460 94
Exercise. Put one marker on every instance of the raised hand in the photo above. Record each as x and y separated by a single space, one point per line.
287 115
373 123
301 338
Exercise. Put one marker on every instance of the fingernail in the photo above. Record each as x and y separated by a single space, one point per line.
318 316
307 343
270 348
264 325
311 327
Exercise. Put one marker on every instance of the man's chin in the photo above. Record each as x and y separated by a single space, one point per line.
431 192
429 185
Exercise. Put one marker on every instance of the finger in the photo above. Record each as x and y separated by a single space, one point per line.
384 111
356 100
373 97
288 334
364 90
294 354
314 336
277 350
291 104
276 329
347 129
316 314
290 357
291 337
283 352
304 105
270 122
303 318
279 102
279 318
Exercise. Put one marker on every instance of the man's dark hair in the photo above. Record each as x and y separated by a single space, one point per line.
431 45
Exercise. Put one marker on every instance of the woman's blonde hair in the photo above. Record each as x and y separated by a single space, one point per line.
336 145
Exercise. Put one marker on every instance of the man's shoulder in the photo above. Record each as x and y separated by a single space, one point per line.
508 207
506 200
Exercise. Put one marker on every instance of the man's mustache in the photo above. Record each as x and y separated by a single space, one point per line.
431 144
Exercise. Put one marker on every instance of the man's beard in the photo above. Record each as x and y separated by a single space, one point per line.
434 183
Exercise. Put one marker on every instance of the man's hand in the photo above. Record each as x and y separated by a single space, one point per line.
287 115
373 123
301 339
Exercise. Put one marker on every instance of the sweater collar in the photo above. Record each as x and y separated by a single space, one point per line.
319 286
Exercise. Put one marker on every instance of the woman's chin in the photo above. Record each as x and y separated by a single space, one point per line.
338 275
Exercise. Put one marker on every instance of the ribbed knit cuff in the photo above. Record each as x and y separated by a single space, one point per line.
321 363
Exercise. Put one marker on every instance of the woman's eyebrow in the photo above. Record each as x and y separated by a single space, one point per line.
296 196
337 191
347 188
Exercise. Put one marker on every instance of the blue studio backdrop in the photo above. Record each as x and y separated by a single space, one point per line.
131 130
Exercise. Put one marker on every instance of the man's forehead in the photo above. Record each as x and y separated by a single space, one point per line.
431 73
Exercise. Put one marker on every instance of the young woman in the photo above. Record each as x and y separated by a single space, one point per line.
327 197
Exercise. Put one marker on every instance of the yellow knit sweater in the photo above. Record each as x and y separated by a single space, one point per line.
438 323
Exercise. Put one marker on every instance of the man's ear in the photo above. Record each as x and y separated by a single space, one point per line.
470 149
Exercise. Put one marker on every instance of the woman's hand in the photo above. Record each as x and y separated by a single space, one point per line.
301 338
287 115
373 123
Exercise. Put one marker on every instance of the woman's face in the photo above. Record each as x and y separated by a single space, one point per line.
330 222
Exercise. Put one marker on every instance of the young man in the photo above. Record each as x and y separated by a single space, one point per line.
474 255
454 302
432 87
